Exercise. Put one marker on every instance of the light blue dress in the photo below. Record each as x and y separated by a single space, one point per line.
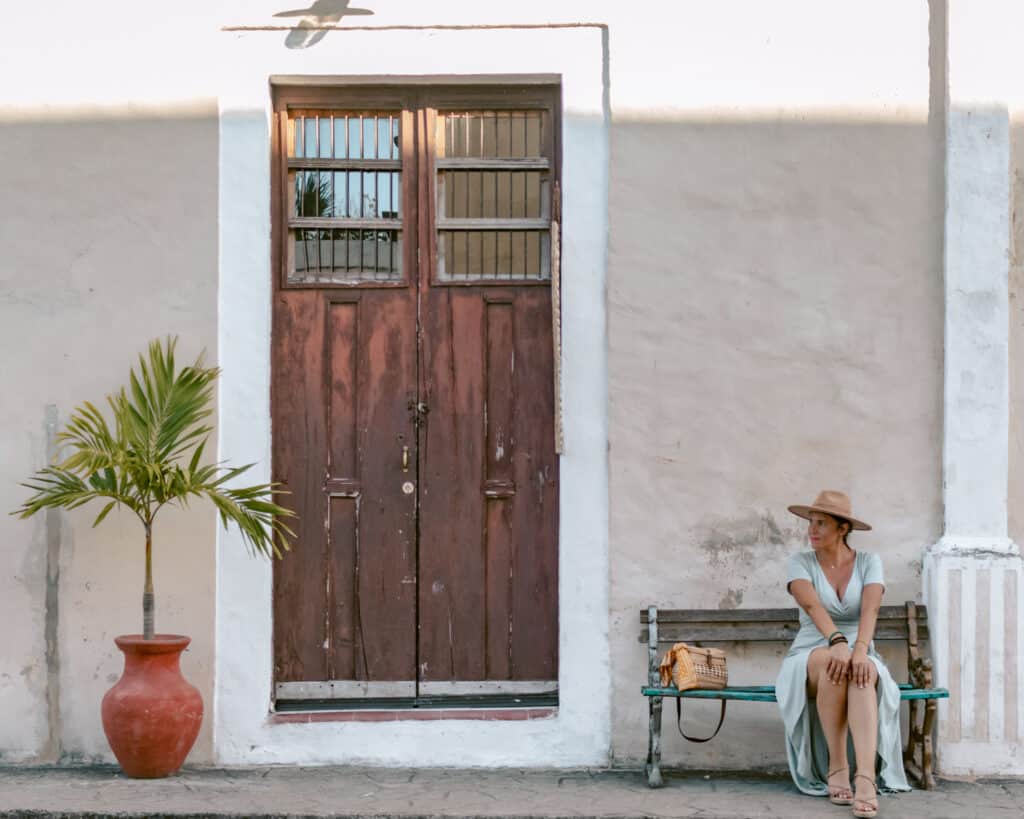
806 748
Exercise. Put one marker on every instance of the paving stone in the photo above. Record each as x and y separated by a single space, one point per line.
295 793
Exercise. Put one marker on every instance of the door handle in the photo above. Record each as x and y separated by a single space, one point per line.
405 459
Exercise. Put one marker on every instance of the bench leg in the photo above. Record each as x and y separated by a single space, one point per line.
927 762
654 779
914 735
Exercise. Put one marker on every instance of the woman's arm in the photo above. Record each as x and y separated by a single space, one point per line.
870 603
839 654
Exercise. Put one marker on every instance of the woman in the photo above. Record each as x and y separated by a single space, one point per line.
832 681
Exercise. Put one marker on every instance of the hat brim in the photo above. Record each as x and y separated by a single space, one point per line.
805 513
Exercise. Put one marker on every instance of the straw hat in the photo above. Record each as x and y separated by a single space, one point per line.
831 502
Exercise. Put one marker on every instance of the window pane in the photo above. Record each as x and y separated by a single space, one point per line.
307 253
340 137
348 194
384 138
310 131
354 138
493 194
345 135
345 256
355 194
488 255
512 195
369 201
314 193
501 134
326 137
340 254
384 203
369 138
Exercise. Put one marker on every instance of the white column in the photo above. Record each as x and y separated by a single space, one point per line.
972 577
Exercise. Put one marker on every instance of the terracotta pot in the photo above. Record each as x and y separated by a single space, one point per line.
152 715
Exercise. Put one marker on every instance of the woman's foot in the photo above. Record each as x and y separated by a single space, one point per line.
864 806
839 791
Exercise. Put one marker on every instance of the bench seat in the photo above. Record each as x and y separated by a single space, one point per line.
907 623
766 693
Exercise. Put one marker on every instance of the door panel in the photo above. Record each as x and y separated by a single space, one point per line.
301 594
452 597
534 622
385 565
343 387
488 487
345 645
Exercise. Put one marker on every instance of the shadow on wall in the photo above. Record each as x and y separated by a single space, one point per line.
310 30
129 253
770 282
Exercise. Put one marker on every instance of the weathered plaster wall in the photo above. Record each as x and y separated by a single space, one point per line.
1016 483
774 301
775 327
780 333
109 239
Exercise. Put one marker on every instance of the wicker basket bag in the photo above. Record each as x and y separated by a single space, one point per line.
693 667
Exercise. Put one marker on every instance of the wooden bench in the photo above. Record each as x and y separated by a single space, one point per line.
701 626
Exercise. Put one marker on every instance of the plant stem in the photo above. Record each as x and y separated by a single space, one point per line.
147 593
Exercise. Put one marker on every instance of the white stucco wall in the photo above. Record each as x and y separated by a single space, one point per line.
774 315
108 238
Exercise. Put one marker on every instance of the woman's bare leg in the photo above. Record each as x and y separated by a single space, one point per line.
830 699
862 707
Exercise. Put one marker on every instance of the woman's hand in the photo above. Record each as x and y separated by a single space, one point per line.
860 665
838 663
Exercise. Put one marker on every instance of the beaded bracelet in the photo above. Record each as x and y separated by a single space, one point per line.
833 634
837 640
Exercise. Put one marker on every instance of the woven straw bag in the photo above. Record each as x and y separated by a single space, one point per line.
692 667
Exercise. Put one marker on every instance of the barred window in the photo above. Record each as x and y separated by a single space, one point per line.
366 178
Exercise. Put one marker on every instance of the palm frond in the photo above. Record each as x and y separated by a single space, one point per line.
163 409
149 454
258 519
57 488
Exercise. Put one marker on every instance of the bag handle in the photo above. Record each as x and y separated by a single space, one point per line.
679 722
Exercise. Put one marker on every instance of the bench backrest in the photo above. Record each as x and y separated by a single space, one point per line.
907 623
765 625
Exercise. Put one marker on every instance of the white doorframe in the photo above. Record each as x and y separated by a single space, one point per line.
244 731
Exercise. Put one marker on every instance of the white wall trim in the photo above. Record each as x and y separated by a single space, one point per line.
974 661
976 408
580 732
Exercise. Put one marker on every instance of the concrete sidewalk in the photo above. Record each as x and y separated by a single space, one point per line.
379 792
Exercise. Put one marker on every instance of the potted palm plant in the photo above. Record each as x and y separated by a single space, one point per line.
150 455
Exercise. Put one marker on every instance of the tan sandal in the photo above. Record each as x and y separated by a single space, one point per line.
870 811
834 791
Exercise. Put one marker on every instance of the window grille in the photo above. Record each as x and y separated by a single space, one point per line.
345 197
493 201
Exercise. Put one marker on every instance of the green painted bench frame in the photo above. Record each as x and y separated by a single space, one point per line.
699 626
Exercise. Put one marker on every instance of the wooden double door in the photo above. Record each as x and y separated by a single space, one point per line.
413 396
